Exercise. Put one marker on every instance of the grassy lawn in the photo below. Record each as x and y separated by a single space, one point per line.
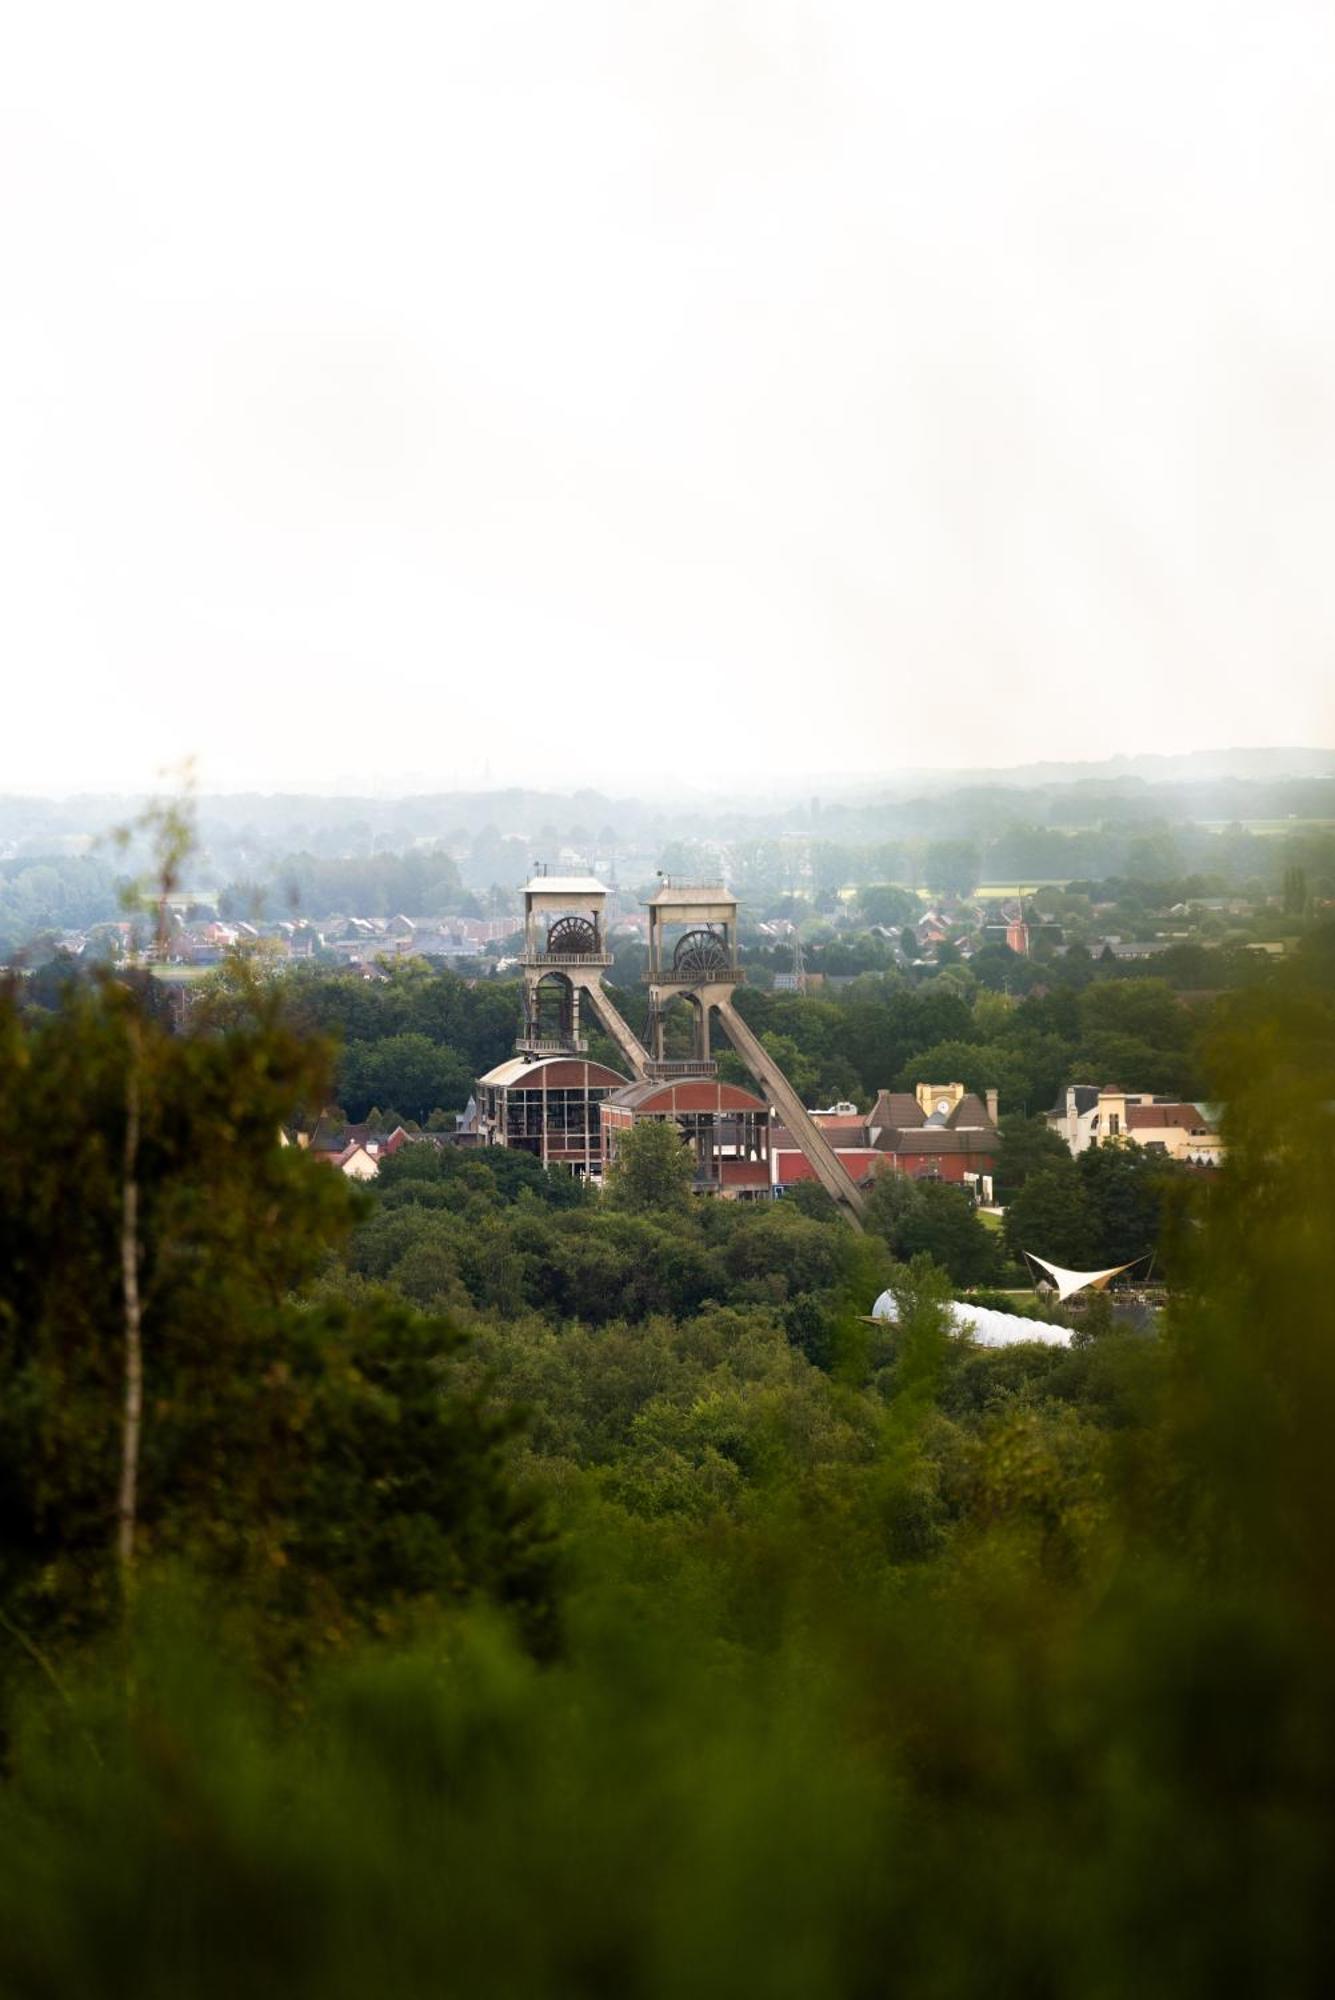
1269 826
990 891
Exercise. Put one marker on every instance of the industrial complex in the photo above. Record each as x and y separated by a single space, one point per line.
552 1100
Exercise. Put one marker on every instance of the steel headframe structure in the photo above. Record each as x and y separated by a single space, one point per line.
692 955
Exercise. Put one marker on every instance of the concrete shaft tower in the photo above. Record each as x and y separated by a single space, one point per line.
565 957
693 954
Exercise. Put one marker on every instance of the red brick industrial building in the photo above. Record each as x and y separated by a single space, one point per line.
547 1106
726 1127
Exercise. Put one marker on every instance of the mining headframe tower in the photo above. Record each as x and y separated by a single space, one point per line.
551 1099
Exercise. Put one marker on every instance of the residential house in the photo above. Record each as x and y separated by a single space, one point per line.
1087 1115
939 1131
936 1132
1185 1132
356 1150
1076 1118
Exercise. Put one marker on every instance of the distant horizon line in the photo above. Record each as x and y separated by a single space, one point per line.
417 784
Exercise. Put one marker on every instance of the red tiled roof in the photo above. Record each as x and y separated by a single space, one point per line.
691 1094
1143 1117
899 1118
970 1111
897 1108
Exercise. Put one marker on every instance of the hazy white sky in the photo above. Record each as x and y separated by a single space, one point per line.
552 391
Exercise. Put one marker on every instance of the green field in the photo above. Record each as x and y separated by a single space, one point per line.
1270 826
986 891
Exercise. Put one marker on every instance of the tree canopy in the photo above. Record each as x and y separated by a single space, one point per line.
653 1169
308 1449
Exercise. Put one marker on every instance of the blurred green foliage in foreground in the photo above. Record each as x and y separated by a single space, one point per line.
901 1668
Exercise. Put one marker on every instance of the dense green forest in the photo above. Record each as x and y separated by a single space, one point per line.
478 1586
414 1040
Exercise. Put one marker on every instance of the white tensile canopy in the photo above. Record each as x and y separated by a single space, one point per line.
985 1325
1070 1282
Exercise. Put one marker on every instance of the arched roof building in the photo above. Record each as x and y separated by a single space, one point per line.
548 1106
726 1127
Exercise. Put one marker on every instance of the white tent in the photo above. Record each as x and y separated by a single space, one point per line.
988 1327
1070 1282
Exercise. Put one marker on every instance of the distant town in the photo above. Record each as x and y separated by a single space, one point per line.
975 988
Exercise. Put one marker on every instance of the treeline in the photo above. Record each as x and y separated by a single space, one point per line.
493 1232
765 869
414 1040
421 883
426 881
1138 869
170 1387
60 893
881 1032
449 1232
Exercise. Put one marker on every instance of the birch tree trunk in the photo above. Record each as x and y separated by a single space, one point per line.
132 1414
